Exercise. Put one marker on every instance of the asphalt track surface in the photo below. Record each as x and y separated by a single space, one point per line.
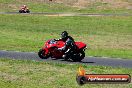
66 14
114 62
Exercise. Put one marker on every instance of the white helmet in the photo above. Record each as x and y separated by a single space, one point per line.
24 6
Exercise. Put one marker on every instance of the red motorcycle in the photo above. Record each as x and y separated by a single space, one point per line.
50 49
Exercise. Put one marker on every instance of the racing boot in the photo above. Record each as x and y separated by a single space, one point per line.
65 57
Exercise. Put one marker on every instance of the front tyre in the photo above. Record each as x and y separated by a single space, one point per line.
27 11
41 54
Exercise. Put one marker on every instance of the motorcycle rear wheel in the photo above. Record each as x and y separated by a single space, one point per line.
41 54
82 55
78 58
20 11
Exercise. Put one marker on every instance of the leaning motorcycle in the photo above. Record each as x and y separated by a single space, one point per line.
50 49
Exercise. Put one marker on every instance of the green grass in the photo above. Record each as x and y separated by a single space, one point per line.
66 6
104 36
35 74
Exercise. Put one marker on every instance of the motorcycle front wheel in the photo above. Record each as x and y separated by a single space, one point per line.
41 54
27 11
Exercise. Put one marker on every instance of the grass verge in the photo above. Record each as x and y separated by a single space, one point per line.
35 74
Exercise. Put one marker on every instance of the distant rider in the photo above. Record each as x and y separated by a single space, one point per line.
69 46
24 8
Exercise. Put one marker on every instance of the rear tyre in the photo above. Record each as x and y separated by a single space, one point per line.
78 58
82 55
41 54
74 58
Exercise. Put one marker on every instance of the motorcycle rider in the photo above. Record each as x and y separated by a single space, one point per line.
69 46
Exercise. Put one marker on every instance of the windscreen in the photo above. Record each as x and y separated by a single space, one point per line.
52 42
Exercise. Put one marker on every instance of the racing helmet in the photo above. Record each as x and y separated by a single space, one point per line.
64 34
24 6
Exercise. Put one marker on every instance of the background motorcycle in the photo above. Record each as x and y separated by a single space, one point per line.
50 49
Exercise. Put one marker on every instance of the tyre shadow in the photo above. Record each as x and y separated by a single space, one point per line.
77 61
69 61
